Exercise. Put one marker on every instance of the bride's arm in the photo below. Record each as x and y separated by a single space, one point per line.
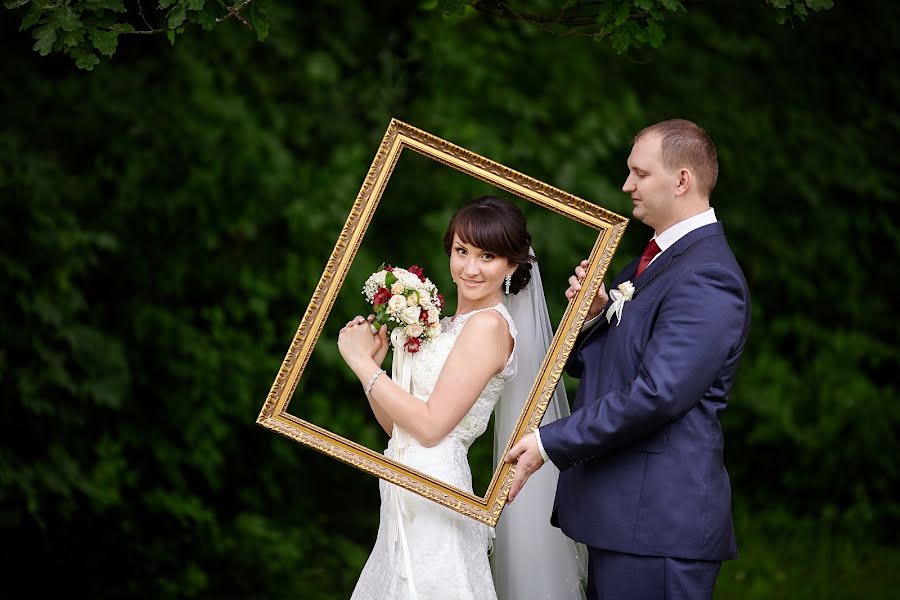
480 352
379 352
381 416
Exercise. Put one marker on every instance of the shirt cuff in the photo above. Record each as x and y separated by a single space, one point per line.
592 321
537 436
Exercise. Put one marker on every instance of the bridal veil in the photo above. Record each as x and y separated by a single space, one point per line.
532 559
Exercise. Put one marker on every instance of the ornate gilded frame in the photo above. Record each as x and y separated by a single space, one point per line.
398 137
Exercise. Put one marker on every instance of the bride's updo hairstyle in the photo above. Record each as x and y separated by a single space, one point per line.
499 227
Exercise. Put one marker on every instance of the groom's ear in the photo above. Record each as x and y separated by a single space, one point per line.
684 181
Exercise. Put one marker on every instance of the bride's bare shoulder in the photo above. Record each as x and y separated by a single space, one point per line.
488 324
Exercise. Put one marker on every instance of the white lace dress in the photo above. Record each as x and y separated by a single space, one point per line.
425 551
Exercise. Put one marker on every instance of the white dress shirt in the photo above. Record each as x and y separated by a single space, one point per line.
664 240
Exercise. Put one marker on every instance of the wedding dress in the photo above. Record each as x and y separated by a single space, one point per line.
425 551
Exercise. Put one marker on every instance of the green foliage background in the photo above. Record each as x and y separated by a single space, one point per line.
165 217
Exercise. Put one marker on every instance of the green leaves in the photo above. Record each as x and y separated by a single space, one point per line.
105 41
163 222
84 59
452 7
176 16
116 6
259 18
623 24
79 27
45 37
788 9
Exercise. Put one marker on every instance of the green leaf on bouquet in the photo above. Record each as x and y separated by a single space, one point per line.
389 279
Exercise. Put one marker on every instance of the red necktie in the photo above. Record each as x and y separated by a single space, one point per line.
650 251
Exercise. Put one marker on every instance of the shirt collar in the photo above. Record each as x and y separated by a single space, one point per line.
681 229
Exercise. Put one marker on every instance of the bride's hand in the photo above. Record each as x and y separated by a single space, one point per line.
381 352
356 342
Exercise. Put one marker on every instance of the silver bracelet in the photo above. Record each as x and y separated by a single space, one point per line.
372 381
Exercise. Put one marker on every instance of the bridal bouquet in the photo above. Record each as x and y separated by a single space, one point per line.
407 302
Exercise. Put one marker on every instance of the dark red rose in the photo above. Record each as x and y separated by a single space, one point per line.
381 296
423 316
440 301
412 345
389 268
418 272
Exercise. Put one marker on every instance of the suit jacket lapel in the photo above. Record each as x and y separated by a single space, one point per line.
625 274
650 273
665 259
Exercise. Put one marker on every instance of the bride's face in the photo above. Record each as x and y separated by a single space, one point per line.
478 273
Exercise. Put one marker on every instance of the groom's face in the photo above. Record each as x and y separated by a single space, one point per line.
650 184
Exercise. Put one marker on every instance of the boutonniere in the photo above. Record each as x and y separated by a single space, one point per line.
620 296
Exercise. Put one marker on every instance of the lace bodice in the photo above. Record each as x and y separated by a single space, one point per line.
429 361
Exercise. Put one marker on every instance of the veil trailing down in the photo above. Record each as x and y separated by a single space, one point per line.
532 559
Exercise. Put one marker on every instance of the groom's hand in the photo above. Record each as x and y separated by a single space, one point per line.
576 282
528 459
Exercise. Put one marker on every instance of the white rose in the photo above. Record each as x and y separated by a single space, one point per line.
412 299
627 289
414 330
411 281
433 315
425 301
433 330
410 314
398 288
396 303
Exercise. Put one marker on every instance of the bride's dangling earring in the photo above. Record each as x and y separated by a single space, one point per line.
506 283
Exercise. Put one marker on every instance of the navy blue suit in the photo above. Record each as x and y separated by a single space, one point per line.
641 456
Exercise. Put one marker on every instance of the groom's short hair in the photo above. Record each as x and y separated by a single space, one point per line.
683 143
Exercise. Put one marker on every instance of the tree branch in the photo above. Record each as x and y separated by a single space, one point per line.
236 11
567 17
144 18
232 11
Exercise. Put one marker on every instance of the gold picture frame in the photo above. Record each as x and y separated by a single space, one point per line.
401 136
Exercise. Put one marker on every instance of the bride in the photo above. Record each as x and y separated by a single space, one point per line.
425 551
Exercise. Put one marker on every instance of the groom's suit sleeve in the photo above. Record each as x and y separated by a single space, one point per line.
699 324
575 365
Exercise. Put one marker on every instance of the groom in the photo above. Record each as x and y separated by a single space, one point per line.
642 480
